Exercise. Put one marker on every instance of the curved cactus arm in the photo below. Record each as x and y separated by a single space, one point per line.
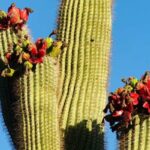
6 38
84 65
29 102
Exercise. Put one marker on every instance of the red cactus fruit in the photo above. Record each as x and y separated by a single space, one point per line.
42 52
14 14
32 49
134 97
36 60
24 14
147 106
41 44
8 55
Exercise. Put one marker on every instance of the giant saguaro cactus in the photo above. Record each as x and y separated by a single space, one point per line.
84 65
33 107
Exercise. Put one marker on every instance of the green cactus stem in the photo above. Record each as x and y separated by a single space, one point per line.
29 103
137 138
85 25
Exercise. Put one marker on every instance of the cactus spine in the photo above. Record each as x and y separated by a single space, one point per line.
84 65
31 109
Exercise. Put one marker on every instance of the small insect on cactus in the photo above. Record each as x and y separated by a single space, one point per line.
129 108
28 83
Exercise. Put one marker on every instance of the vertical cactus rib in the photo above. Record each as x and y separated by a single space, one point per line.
130 140
27 112
4 41
72 97
54 122
46 106
142 136
31 102
147 145
70 26
62 14
41 105
64 33
23 116
84 65
36 94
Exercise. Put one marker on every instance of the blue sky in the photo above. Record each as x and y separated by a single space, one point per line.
130 42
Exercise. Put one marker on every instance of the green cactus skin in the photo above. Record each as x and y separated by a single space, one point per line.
30 103
137 138
85 25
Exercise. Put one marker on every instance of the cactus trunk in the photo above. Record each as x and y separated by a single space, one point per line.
84 66
29 104
137 138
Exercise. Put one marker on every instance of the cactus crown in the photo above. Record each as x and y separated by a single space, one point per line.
128 102
23 55
29 102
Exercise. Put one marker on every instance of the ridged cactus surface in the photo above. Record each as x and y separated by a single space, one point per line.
6 37
137 138
29 103
84 66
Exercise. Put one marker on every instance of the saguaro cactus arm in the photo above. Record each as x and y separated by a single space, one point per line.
84 65
29 101
129 113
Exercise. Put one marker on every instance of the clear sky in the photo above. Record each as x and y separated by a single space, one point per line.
130 43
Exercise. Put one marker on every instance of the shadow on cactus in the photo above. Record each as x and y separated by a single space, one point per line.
79 136
128 102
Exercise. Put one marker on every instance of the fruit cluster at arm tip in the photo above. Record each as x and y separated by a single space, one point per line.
23 55
127 102
15 17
